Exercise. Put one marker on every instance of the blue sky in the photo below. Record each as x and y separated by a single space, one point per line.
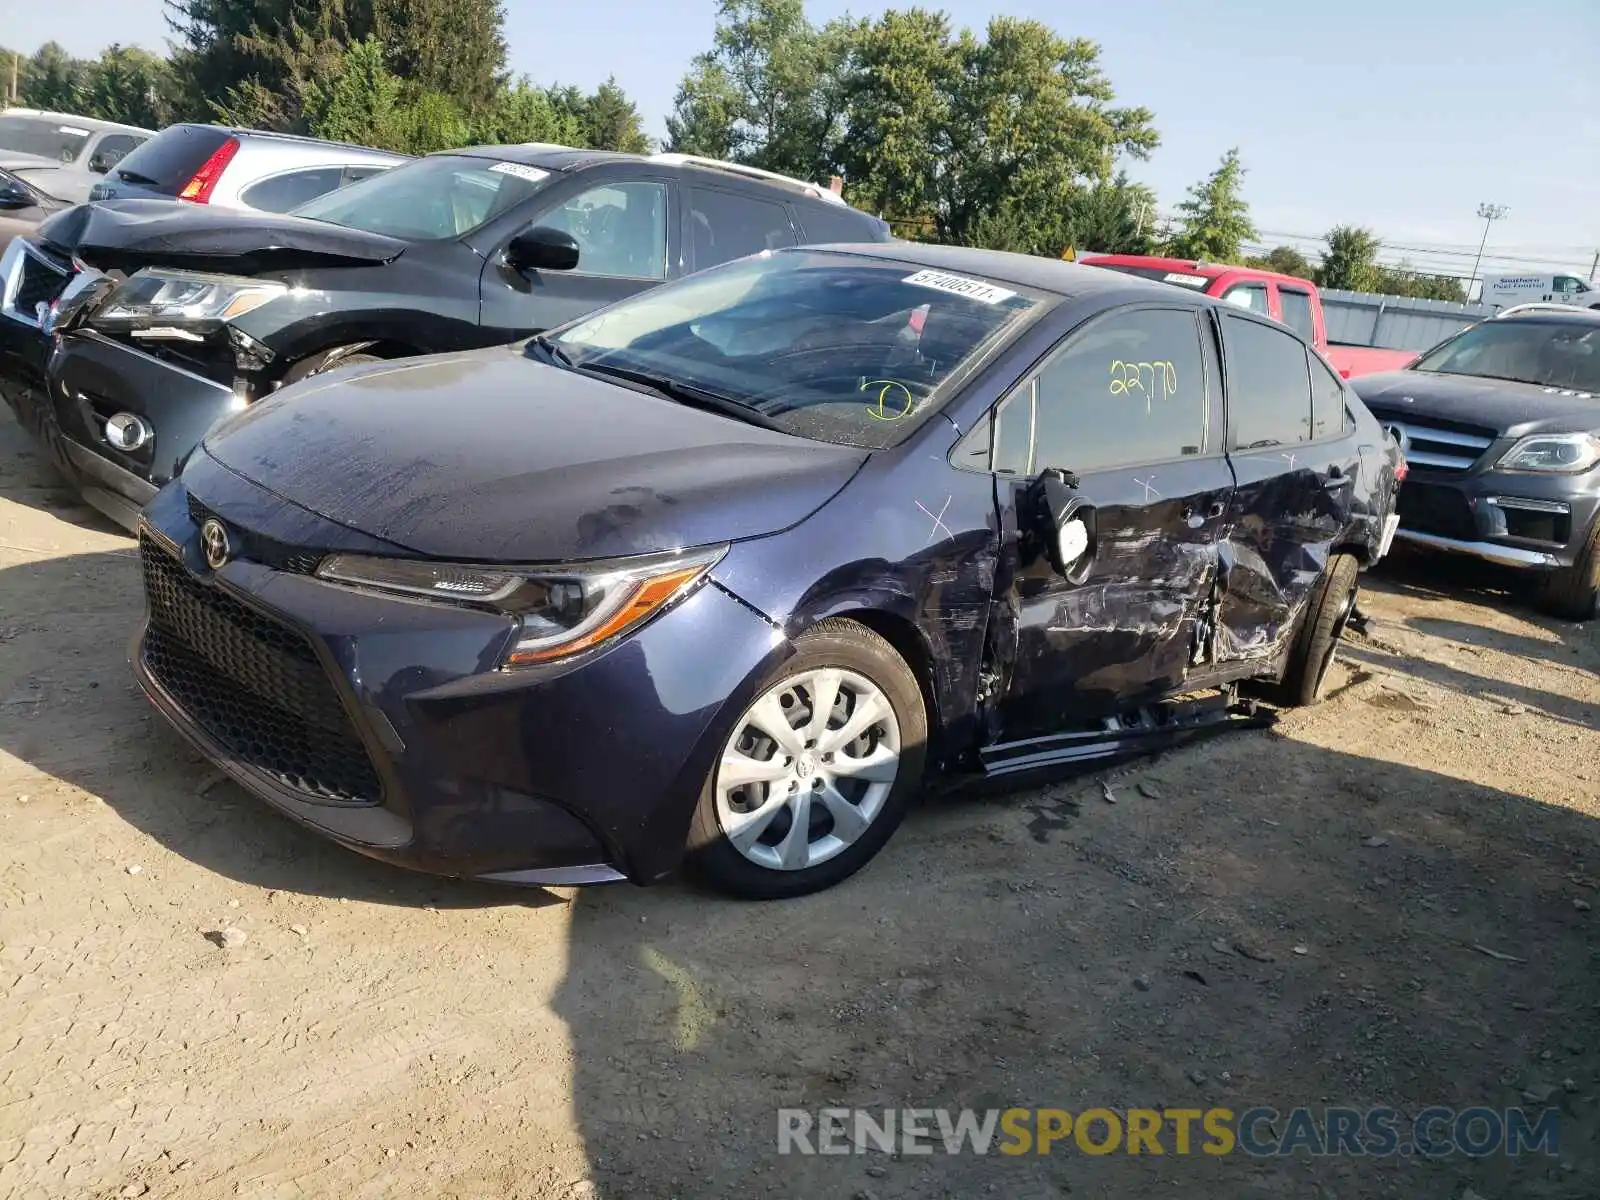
1399 116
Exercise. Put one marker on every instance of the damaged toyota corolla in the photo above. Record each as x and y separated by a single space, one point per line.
728 570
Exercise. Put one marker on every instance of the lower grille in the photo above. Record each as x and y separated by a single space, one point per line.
1436 509
253 684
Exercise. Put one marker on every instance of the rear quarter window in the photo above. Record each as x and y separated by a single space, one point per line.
280 193
824 223
169 160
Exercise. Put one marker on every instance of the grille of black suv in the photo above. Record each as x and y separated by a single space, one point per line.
1437 509
38 283
255 685
1443 447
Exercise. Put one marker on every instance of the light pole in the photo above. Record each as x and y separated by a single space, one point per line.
1489 213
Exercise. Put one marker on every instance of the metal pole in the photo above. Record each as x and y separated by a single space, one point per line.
1594 267
1490 214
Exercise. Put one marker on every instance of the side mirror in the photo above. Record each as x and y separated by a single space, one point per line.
101 162
542 248
14 195
1064 526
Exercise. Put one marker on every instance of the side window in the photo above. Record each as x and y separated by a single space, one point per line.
1569 285
724 226
1297 312
1329 416
1252 297
1129 389
1269 387
826 222
621 229
281 193
111 150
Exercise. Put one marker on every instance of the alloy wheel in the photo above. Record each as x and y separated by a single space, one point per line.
807 769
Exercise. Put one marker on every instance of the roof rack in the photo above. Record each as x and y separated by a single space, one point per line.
717 164
1540 306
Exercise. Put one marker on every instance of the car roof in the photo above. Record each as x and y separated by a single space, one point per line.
1052 275
549 156
93 124
264 135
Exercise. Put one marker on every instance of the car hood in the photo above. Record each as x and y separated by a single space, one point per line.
489 456
1511 409
128 234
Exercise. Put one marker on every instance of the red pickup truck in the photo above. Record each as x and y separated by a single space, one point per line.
1284 298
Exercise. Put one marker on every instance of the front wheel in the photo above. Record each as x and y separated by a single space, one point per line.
818 770
1574 592
1316 643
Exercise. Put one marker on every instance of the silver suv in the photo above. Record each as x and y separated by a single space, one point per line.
239 168
63 155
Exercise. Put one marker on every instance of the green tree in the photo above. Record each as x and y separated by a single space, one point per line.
1403 280
704 112
768 92
1112 217
1214 217
130 85
359 102
455 48
610 121
523 112
1351 260
52 79
427 123
1286 260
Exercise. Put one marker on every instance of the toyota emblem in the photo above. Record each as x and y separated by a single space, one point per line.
1398 433
214 541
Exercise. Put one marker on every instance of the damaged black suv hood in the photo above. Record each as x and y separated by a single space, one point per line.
1509 407
489 456
124 235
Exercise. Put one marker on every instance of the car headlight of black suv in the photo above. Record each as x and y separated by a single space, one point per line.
1554 453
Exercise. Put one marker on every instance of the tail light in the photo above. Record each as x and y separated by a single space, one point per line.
204 181
1401 470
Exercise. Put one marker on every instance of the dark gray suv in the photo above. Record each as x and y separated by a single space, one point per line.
1501 427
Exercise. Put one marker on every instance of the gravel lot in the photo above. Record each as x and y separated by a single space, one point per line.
382 1034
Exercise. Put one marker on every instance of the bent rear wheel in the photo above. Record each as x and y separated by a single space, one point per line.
817 772
1316 643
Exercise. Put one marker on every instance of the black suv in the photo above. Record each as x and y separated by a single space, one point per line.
165 318
1501 427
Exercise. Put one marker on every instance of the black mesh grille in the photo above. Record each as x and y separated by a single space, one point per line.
253 684
256 548
38 285
1437 509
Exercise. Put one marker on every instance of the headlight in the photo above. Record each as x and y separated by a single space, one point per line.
181 304
1560 453
561 610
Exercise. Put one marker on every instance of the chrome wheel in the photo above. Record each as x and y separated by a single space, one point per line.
807 769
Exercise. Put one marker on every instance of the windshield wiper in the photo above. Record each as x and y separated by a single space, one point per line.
671 389
135 177
551 350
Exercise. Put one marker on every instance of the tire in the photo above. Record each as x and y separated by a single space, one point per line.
860 667
324 360
1317 642
1574 592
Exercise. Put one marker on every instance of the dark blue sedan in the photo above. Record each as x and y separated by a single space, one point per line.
730 569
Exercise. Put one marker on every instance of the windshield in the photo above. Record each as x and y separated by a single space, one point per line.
433 199
1557 354
42 137
827 345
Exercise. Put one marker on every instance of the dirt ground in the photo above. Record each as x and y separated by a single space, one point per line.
384 1034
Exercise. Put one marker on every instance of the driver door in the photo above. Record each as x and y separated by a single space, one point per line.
1128 403
621 227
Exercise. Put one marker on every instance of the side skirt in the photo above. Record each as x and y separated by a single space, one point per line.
1140 731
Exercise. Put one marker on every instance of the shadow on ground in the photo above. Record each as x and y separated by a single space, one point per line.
26 478
990 960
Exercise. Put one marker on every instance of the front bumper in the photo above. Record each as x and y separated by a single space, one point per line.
1515 519
91 378
575 772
